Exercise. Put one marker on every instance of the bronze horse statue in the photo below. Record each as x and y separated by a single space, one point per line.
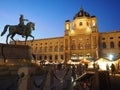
16 29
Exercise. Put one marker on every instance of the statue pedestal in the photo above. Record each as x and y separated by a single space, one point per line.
15 53
19 57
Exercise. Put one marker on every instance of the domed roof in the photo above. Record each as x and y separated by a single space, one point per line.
81 13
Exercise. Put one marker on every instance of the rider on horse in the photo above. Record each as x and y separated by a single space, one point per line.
21 24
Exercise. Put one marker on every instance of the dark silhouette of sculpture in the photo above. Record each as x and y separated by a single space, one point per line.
21 23
16 29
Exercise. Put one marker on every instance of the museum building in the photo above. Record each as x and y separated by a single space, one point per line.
81 40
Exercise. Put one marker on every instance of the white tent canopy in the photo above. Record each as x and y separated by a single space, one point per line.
102 60
103 63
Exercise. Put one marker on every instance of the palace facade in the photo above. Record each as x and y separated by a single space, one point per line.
81 40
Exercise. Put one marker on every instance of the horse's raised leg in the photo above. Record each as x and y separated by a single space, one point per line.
13 39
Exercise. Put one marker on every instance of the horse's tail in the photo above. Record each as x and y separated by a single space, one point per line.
5 29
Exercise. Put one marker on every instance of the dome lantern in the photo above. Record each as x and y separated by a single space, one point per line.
82 13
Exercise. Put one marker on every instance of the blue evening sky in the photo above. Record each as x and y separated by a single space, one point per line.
50 15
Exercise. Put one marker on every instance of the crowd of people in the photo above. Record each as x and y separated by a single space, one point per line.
64 76
60 76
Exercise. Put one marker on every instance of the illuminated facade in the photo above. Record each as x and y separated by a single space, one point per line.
81 40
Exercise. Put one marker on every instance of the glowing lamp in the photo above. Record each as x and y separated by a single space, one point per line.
111 57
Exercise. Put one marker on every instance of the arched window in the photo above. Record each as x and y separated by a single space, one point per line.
80 46
61 48
111 44
73 47
40 49
45 57
40 57
62 57
45 49
87 46
56 57
87 23
50 57
56 49
104 45
80 24
50 49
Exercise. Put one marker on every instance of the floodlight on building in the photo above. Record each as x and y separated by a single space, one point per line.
67 26
93 23
89 30
111 56
72 32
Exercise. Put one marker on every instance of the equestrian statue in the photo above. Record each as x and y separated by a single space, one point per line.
21 29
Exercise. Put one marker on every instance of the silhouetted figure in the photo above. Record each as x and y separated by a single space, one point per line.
107 67
73 72
86 66
21 24
113 69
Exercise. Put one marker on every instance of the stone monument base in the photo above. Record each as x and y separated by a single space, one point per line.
15 53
